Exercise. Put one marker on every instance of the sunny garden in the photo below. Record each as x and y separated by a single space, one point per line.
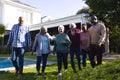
109 12
107 71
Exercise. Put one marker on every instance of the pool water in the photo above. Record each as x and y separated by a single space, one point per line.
7 63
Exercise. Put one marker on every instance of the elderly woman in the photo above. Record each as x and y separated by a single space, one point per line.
84 38
74 35
62 43
42 47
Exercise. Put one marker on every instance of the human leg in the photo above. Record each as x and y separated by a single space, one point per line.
92 55
65 62
72 59
84 56
38 62
77 52
21 59
99 55
44 61
59 62
14 60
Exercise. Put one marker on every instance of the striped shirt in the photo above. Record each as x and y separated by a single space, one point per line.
19 36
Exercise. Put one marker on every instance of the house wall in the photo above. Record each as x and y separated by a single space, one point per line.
10 11
0 13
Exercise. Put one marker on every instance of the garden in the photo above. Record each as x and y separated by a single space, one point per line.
106 71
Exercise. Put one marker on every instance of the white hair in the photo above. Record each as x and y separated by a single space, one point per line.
72 25
62 27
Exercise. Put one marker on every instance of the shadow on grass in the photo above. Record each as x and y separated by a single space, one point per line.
10 76
27 76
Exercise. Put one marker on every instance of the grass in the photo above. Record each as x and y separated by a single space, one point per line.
50 71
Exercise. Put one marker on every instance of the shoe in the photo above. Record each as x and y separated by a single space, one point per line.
16 73
65 70
75 71
37 74
80 68
19 77
43 74
59 74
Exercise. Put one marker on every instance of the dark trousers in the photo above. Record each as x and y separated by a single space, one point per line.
18 52
75 51
62 57
84 56
95 50
42 58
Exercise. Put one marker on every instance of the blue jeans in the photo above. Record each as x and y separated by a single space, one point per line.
75 51
18 52
62 58
84 56
42 58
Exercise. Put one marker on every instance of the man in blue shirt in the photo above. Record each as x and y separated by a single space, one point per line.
19 38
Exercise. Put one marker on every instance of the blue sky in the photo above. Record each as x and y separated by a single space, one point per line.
57 8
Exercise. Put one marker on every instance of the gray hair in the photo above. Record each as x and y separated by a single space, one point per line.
72 25
42 29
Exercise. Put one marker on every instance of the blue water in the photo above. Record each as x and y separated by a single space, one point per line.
6 63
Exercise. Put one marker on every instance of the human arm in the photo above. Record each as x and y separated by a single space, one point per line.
11 36
68 42
103 34
35 44
28 38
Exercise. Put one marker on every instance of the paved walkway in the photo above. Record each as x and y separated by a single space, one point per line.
51 63
110 57
106 57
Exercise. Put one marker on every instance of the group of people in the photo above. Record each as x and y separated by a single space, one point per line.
74 42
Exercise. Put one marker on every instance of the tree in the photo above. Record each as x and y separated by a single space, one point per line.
2 32
108 11
84 10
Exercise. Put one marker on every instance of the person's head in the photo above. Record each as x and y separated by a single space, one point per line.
84 27
93 19
21 20
43 30
61 29
72 26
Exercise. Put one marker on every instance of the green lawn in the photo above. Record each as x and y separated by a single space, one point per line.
50 71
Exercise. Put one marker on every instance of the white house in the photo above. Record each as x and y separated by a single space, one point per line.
10 10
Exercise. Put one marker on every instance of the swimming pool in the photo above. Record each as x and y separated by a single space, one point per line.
6 64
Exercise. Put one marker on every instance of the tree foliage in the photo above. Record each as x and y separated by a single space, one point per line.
2 32
115 39
84 10
2 29
107 10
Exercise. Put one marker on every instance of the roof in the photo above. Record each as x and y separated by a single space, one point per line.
17 1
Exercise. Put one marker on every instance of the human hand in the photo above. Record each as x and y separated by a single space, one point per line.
32 52
7 46
88 49
28 48
53 53
63 42
99 44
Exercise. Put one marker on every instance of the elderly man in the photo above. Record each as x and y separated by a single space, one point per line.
19 38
